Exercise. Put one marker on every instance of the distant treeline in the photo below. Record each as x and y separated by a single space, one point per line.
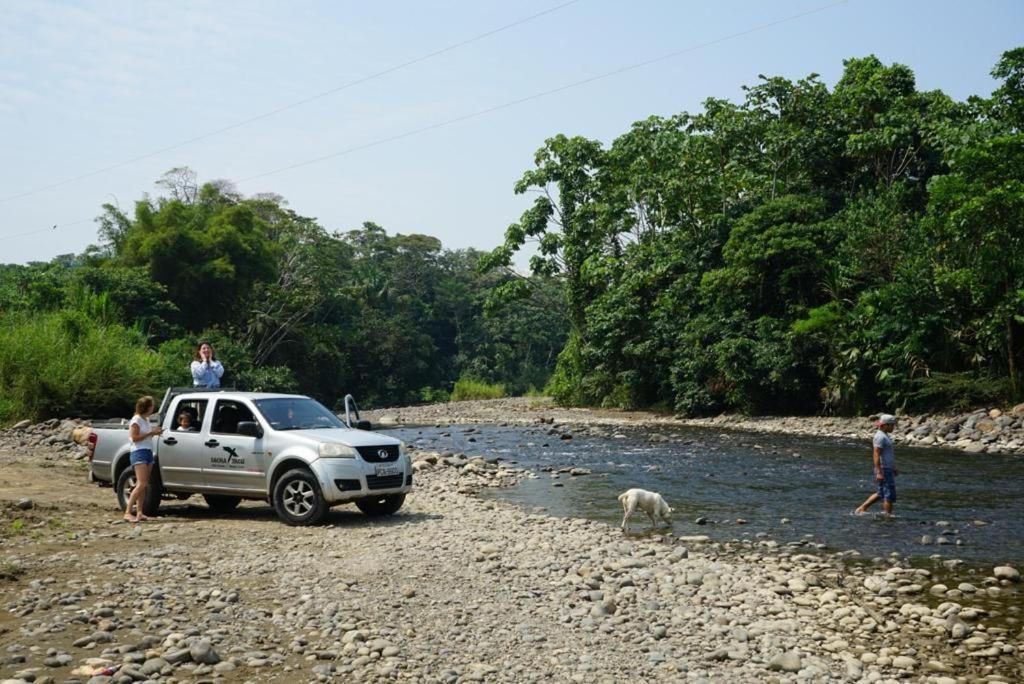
287 305
808 249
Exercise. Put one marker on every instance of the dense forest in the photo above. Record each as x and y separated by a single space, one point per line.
287 305
805 250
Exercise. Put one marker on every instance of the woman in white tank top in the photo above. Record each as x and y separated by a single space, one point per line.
141 434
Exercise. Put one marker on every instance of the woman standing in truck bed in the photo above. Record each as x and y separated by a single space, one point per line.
206 369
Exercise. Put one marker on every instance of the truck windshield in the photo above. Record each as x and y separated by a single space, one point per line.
297 414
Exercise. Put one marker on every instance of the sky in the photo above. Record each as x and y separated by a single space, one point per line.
85 86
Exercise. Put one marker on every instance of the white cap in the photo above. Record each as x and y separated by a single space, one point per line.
886 419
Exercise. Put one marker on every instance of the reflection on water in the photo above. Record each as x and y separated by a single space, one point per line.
814 482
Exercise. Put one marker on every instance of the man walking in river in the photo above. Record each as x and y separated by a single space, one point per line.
884 459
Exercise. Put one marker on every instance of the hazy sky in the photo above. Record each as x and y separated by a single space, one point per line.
87 85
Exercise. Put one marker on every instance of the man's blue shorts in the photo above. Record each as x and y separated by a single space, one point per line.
887 487
142 456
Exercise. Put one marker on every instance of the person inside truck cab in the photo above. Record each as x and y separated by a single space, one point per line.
185 422
206 369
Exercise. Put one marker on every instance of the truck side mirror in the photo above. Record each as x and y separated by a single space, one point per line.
249 428
363 425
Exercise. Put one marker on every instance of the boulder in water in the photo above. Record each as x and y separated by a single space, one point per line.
1006 572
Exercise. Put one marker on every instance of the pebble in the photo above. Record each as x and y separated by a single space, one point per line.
202 652
904 663
790 661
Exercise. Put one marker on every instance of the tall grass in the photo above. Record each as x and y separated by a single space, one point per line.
467 388
68 363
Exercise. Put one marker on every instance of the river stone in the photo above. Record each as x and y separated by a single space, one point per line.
904 663
1007 572
153 666
786 662
202 652
967 587
22 424
378 644
178 655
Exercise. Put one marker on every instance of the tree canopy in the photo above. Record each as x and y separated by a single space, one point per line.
288 305
807 249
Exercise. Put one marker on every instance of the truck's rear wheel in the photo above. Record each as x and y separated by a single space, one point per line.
220 503
381 505
298 499
150 500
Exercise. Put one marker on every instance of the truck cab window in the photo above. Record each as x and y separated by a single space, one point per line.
189 415
228 414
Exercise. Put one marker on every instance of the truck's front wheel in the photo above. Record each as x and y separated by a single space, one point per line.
150 500
298 499
381 505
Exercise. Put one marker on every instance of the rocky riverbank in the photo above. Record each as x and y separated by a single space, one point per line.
459 588
981 431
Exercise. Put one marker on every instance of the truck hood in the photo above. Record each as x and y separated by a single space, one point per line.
346 436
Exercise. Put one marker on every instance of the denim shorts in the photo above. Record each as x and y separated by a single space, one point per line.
887 487
142 456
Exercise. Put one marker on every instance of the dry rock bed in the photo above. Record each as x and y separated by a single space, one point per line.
454 588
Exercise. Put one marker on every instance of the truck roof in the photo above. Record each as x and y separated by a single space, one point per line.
208 394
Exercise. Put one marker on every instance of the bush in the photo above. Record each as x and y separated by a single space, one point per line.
434 395
957 392
467 388
66 363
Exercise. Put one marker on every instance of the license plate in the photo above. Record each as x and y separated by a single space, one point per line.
385 470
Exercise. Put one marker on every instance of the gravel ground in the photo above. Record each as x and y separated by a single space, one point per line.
455 588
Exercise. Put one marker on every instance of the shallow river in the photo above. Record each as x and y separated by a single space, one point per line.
761 478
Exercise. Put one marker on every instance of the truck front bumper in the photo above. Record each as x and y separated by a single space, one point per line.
348 479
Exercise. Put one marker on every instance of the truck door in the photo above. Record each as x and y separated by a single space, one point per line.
233 462
181 447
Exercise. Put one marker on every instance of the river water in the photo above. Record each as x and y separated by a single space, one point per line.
815 483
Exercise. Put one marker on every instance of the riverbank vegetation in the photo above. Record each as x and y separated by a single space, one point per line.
288 306
809 249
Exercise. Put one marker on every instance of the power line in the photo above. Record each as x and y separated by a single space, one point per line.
545 93
54 227
512 103
292 105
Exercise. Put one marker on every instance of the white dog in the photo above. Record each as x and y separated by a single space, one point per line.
650 503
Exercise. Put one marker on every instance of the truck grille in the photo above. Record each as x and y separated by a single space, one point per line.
385 482
378 454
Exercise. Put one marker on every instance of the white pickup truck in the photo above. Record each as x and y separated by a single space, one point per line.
286 449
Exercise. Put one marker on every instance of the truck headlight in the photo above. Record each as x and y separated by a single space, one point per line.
331 450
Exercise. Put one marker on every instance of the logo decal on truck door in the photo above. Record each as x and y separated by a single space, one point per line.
232 460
